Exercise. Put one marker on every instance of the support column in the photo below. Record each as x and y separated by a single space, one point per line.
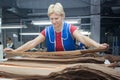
0 24
95 20
1 45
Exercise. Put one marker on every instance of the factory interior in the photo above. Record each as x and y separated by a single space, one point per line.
103 14
24 20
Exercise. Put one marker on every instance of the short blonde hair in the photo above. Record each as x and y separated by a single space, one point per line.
56 8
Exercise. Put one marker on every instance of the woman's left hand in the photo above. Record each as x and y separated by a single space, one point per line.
103 46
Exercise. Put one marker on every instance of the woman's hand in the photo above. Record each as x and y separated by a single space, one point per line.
8 50
103 46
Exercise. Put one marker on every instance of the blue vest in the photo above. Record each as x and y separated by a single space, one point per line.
68 41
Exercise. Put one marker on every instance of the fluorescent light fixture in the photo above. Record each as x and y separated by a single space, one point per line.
41 22
73 21
46 22
13 26
86 24
86 33
23 34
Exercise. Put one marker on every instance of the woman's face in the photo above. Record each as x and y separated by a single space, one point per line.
56 20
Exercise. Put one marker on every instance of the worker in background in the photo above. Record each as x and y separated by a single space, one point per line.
60 36
10 43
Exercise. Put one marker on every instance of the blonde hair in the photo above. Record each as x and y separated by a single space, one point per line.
56 8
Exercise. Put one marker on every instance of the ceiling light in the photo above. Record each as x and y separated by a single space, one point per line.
13 26
41 22
29 34
23 34
86 33
73 21
46 22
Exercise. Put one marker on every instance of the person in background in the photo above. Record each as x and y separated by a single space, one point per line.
10 43
60 36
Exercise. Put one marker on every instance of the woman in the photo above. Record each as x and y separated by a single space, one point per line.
10 43
60 36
